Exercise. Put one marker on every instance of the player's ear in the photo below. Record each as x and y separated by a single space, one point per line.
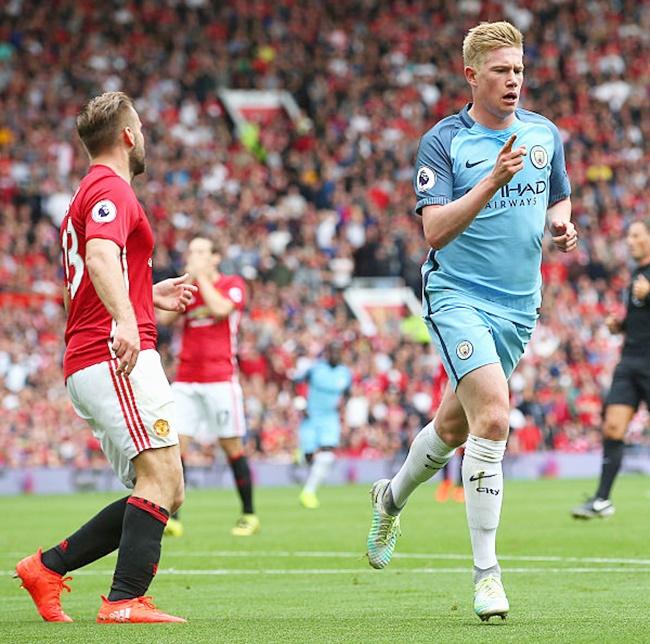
470 76
128 136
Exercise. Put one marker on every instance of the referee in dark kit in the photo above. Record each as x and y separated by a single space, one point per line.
631 382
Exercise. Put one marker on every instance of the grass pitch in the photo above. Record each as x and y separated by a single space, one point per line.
305 577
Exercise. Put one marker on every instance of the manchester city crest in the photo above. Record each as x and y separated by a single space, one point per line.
539 156
464 349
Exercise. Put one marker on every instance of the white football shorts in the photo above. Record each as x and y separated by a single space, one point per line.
208 410
127 414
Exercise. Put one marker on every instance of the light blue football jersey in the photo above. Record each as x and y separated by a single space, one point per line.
496 260
327 385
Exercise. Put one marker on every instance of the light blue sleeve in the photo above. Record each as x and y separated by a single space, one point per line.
434 181
559 186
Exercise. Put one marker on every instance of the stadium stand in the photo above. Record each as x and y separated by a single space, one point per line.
304 208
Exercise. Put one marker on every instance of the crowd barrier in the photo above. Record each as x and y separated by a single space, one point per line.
65 480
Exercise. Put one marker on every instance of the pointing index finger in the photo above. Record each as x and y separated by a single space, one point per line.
508 146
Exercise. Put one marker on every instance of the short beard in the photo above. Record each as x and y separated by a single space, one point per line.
136 163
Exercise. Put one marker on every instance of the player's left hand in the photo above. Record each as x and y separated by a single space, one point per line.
173 294
640 288
565 236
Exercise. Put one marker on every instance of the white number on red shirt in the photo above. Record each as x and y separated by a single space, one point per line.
72 259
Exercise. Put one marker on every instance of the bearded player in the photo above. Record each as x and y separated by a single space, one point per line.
484 203
113 373
206 389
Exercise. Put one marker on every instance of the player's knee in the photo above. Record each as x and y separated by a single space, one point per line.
179 497
164 470
613 430
172 486
175 474
231 446
492 423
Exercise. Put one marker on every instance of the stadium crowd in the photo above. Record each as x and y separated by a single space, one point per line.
315 203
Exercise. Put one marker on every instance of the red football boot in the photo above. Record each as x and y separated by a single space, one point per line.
45 587
139 610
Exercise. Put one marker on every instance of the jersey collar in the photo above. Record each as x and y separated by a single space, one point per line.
472 124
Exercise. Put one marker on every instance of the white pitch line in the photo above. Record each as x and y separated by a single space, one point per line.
218 572
281 554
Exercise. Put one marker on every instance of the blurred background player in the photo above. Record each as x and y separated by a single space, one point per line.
329 381
451 486
484 205
206 388
113 373
631 380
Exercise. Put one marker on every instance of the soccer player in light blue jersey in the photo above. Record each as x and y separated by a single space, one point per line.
329 380
488 180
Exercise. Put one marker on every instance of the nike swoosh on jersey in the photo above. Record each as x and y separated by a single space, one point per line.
471 165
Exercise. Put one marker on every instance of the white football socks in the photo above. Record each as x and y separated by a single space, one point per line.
319 470
483 483
427 455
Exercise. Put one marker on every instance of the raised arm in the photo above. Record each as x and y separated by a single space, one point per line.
220 306
171 297
443 223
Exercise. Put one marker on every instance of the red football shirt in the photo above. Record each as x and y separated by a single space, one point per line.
105 207
209 346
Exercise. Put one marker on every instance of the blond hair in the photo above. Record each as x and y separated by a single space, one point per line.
101 120
486 37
